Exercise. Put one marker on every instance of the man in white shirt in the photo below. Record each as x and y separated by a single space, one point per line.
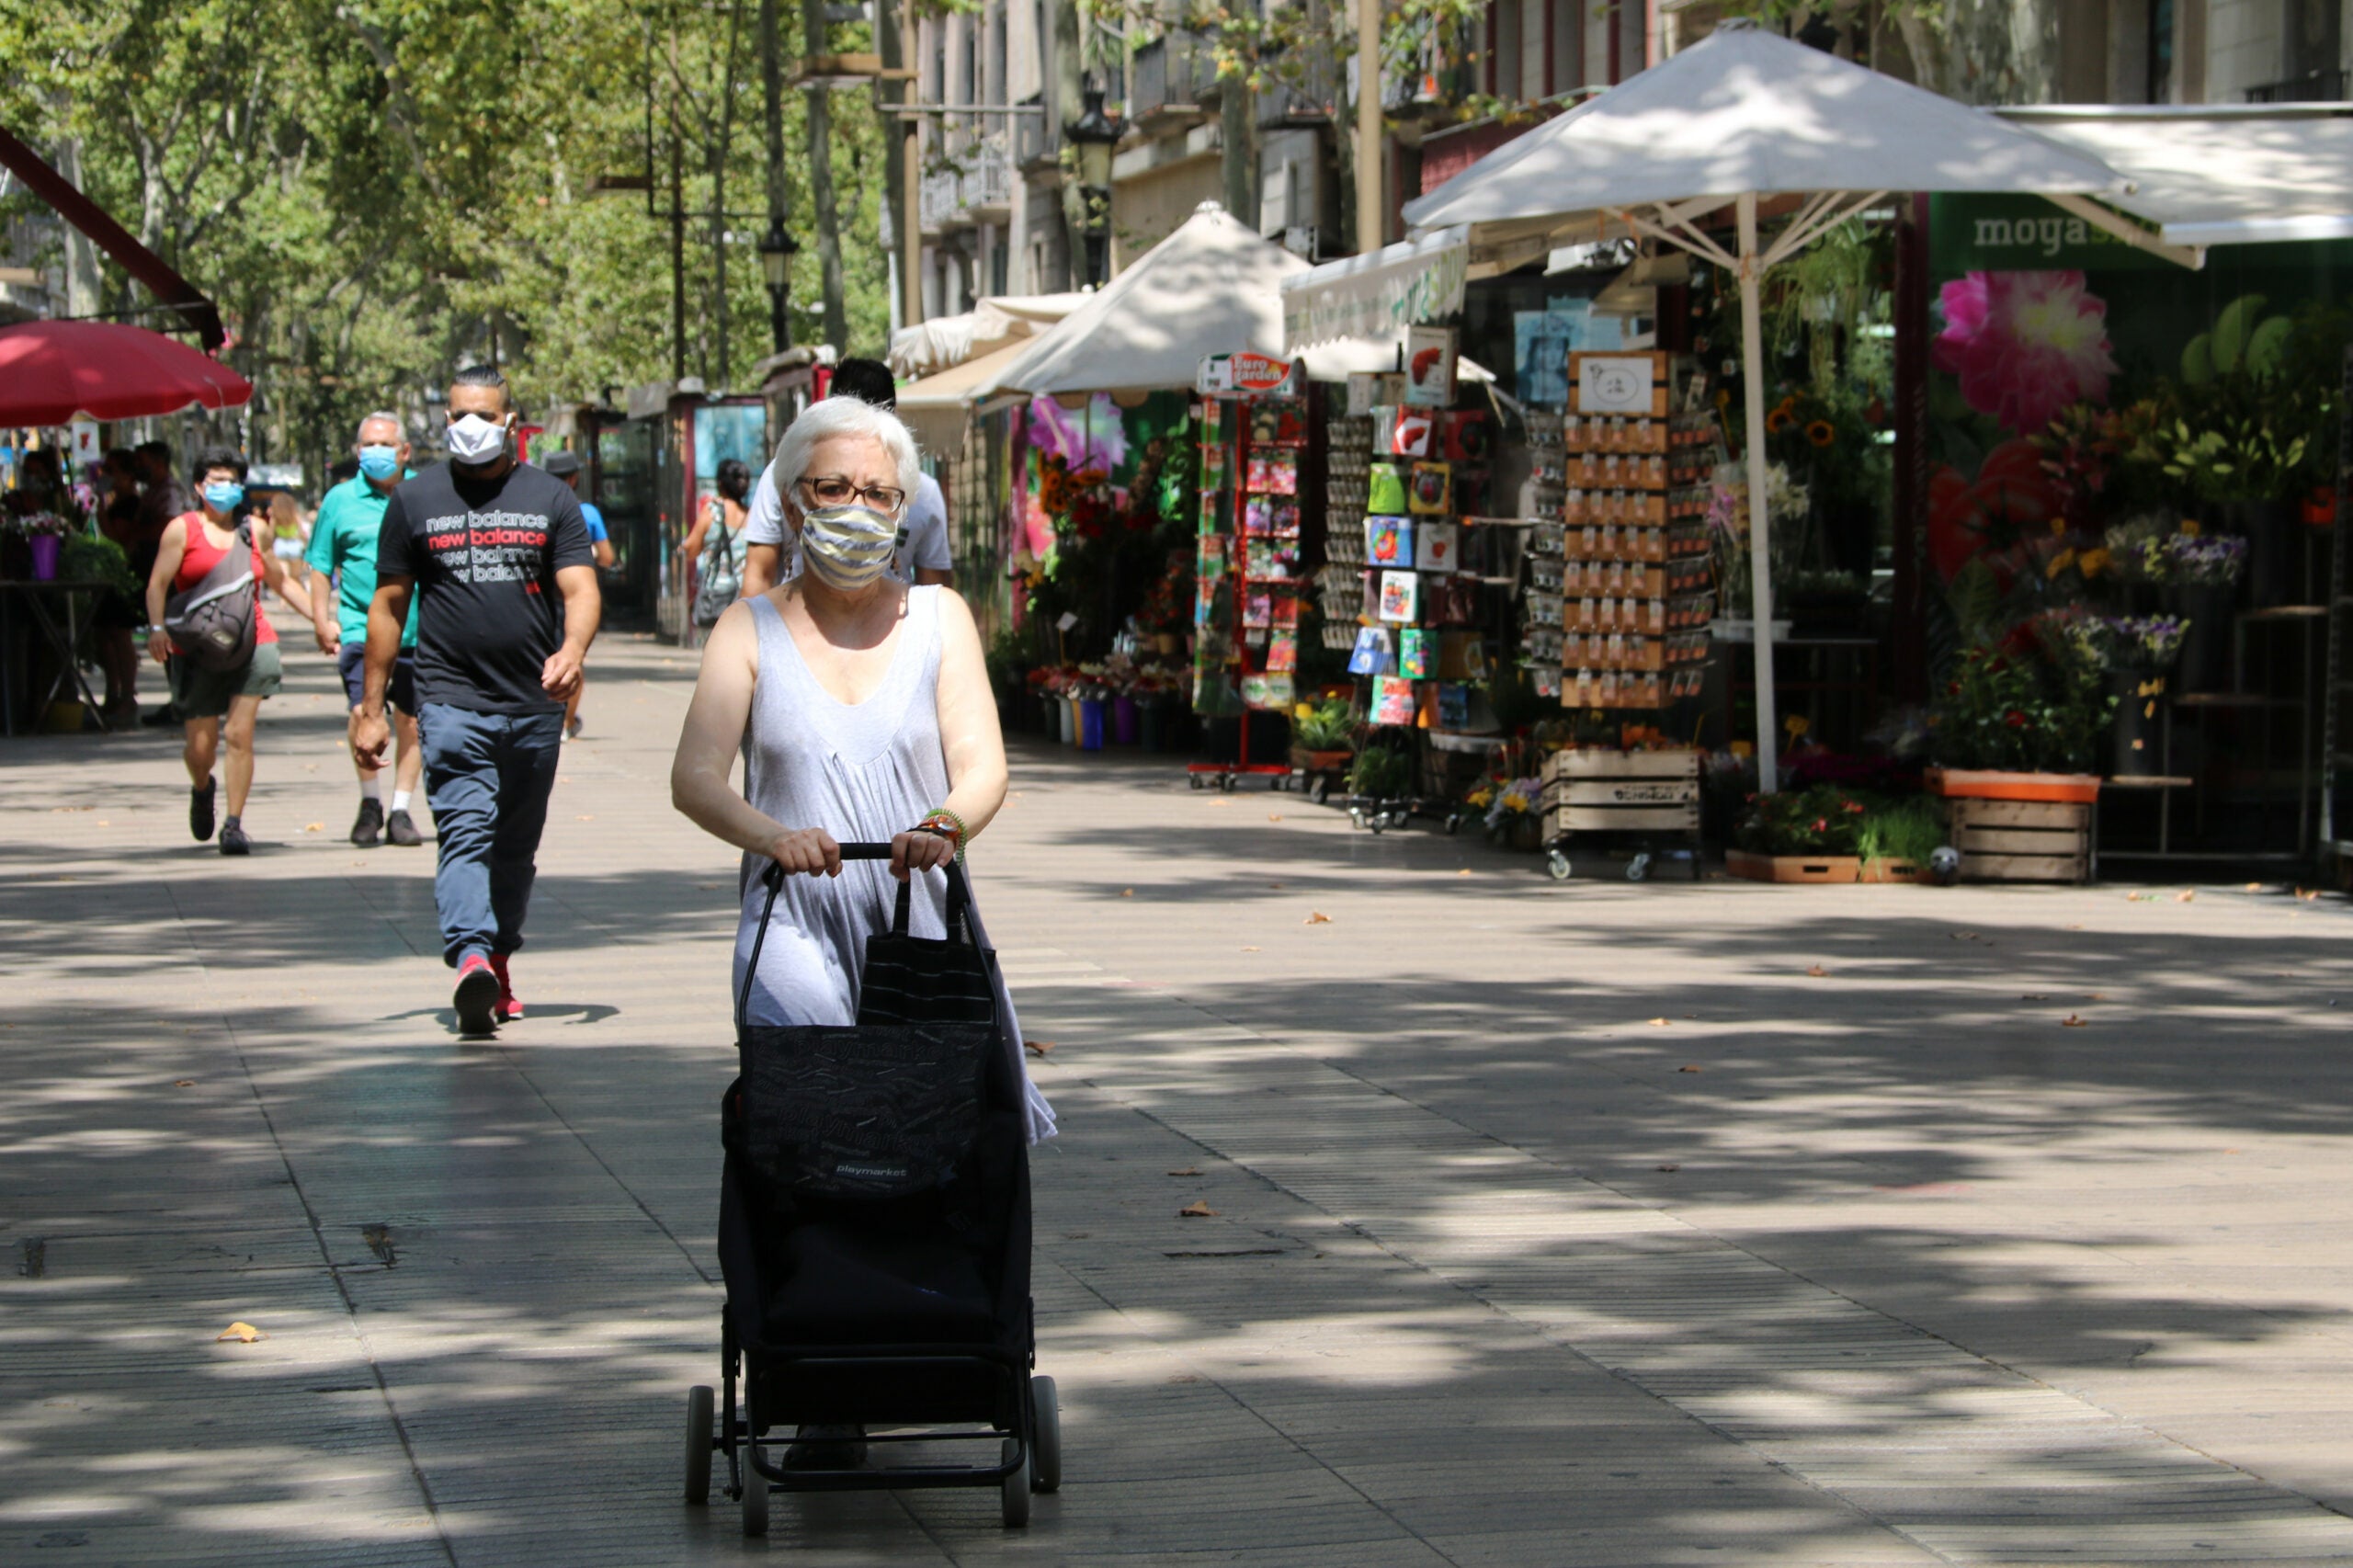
922 555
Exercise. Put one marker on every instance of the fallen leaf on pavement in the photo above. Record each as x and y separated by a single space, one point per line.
1277 884
586 817
1316 918
2254 887
1670 1168
2073 1022
2308 895
183 1083
2036 997
2096 996
1037 1047
1273 816
243 1332
103 822
1464 872
2186 895
1249 950
1197 1210
314 827
1188 1170
1660 1023
1818 973
1687 1067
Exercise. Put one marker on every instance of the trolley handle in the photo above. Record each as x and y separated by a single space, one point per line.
772 879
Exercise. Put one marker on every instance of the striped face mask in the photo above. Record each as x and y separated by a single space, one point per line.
847 547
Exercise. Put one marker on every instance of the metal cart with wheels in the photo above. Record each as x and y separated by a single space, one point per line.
1602 803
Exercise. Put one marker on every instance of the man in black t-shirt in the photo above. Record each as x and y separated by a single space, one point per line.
498 558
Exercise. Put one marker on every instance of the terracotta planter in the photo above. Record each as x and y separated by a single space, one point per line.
1977 784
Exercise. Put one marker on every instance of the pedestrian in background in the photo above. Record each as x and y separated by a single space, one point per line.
217 707
342 557
162 498
118 614
290 533
771 554
495 556
565 465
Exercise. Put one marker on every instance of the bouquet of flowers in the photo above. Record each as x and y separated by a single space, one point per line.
1512 799
39 525
2143 642
2207 560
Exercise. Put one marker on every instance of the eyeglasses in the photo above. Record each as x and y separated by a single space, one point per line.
836 491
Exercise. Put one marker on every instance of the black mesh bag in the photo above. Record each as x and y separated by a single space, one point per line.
888 1107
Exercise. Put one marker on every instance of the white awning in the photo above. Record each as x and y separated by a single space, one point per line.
2249 176
1378 295
939 409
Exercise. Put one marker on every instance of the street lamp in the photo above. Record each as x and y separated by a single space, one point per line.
777 251
1094 134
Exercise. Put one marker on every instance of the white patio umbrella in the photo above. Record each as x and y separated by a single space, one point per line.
1741 116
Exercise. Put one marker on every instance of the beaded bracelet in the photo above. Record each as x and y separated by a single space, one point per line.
949 824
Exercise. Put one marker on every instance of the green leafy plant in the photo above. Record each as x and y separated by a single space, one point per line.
1380 773
87 558
1825 819
1328 727
2037 701
1908 829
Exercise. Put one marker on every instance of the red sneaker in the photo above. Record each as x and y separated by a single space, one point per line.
509 1010
476 997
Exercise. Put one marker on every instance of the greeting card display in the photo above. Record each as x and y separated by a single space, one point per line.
1437 547
1401 596
1286 609
1212 512
1370 656
1388 541
1429 366
1282 653
1274 473
1386 489
1209 556
1270 562
1284 516
1258 515
1465 436
1258 608
1453 707
1214 465
1393 701
1413 653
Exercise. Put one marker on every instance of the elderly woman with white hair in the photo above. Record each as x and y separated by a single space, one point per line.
861 706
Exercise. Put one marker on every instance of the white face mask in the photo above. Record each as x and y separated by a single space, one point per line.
473 440
847 547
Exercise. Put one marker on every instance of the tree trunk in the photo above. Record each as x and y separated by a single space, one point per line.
1238 133
1066 106
895 127
719 151
821 186
81 281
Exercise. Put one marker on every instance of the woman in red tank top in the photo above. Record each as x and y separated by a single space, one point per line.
216 706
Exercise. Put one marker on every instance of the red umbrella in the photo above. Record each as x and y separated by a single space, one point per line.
52 370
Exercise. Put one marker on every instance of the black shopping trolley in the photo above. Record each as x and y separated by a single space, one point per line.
874 1237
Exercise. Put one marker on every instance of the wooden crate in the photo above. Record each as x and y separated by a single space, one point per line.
1613 791
1792 867
2021 841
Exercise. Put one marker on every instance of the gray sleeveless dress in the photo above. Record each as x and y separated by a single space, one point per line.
863 773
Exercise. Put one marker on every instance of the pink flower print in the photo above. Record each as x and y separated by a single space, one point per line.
2025 345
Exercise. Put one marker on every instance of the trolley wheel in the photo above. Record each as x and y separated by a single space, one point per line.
1225 782
756 1493
700 1401
1376 821
1453 823
1557 862
1356 817
1194 779
1639 867
1013 1491
1046 1436
1319 790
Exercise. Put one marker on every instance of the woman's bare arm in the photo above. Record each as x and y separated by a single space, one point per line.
169 551
968 727
708 743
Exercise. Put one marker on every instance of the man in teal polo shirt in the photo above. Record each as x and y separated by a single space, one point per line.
343 547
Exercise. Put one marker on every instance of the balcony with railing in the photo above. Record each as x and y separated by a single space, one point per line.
1170 77
972 184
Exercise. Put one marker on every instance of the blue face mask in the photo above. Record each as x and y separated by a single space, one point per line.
379 462
224 498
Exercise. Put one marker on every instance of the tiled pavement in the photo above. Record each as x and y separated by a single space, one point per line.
1555 1225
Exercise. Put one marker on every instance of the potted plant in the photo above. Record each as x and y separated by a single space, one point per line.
1323 735
44 537
2202 571
2141 650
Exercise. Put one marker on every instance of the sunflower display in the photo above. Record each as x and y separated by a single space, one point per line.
1821 433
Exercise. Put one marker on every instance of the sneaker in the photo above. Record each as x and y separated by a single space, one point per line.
368 828
476 997
200 810
509 1010
826 1448
401 829
232 838
572 727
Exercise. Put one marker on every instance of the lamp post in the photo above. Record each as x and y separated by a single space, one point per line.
1094 134
777 251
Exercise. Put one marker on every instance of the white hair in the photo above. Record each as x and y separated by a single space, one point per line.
383 416
843 416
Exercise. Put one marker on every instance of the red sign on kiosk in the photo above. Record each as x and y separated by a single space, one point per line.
1248 374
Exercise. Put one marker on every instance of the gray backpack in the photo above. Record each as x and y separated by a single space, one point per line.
213 621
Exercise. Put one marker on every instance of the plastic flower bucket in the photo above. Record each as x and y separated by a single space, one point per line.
1090 724
1123 720
45 548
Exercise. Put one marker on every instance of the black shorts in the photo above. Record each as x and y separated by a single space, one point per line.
351 664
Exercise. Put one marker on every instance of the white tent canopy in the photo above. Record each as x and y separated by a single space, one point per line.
1209 288
2217 176
946 341
1741 115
